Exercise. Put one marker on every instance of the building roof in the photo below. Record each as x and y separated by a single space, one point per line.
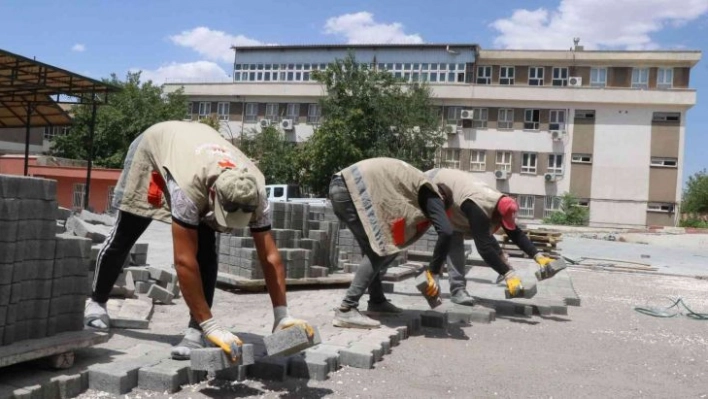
615 57
25 81
355 46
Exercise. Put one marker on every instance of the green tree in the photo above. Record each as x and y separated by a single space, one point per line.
212 121
571 212
695 196
128 113
369 113
277 158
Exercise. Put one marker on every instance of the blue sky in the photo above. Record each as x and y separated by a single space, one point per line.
190 40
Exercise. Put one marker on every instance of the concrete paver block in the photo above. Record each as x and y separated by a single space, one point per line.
235 373
290 341
160 294
434 319
167 376
134 313
69 386
142 287
215 359
311 366
358 356
269 369
139 273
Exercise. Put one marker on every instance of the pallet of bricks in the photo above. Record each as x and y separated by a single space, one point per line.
546 241
305 235
43 276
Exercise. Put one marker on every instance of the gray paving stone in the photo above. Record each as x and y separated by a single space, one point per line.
309 366
214 359
290 341
167 376
358 356
139 273
160 294
120 377
142 287
434 319
269 369
69 386
236 373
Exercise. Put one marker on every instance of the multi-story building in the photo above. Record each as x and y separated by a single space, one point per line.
607 126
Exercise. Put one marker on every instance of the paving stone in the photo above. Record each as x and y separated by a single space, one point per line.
358 356
434 319
134 314
269 369
236 373
139 273
311 366
214 359
69 386
167 376
80 228
290 341
120 377
160 294
142 287
196 376
162 276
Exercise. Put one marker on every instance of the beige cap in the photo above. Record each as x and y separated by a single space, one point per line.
236 197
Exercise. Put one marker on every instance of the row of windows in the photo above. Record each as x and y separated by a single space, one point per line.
505 118
478 161
79 193
598 76
273 112
654 161
408 72
53 131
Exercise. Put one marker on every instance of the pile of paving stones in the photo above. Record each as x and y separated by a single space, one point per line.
42 275
306 236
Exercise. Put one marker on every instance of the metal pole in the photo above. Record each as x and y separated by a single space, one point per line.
27 137
92 128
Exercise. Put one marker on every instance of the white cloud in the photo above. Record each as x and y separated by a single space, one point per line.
361 28
200 71
213 44
624 24
78 48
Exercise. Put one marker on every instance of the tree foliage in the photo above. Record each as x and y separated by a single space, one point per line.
128 113
369 113
695 196
571 213
277 158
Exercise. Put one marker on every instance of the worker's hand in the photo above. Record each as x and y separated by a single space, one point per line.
222 338
542 260
289 321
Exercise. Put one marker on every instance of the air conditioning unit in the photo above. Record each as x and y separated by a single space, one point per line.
551 177
467 114
264 122
451 129
286 124
501 174
575 81
557 135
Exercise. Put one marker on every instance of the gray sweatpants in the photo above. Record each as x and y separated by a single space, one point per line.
372 265
456 263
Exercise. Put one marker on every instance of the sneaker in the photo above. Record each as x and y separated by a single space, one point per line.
462 297
352 318
383 307
193 339
96 315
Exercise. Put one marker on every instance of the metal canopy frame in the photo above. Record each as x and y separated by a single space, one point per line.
30 94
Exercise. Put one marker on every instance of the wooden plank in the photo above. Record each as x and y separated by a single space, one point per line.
259 284
32 349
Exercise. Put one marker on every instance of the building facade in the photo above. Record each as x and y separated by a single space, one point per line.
607 126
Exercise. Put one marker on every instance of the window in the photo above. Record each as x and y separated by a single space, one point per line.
598 77
478 161
528 163
292 111
503 161
506 75
251 112
505 119
552 205
665 78
451 158
532 119
581 158
526 205
666 117
536 76
560 76
110 209
453 115
479 117
50 132
585 203
314 113
484 75
584 114
204 109
272 112
640 78
188 114
664 162
660 207
79 193
555 164
223 111
557 120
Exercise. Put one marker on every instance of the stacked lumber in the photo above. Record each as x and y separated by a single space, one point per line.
546 242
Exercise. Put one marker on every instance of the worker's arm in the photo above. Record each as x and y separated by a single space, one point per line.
484 240
518 237
435 211
185 242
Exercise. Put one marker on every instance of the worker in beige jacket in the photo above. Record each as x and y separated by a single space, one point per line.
187 174
478 211
388 205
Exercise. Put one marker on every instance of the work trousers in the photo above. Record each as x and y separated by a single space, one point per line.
126 231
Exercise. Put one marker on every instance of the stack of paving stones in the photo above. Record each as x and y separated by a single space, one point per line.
305 235
42 275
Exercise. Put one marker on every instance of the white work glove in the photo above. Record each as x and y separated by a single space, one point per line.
283 320
222 338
